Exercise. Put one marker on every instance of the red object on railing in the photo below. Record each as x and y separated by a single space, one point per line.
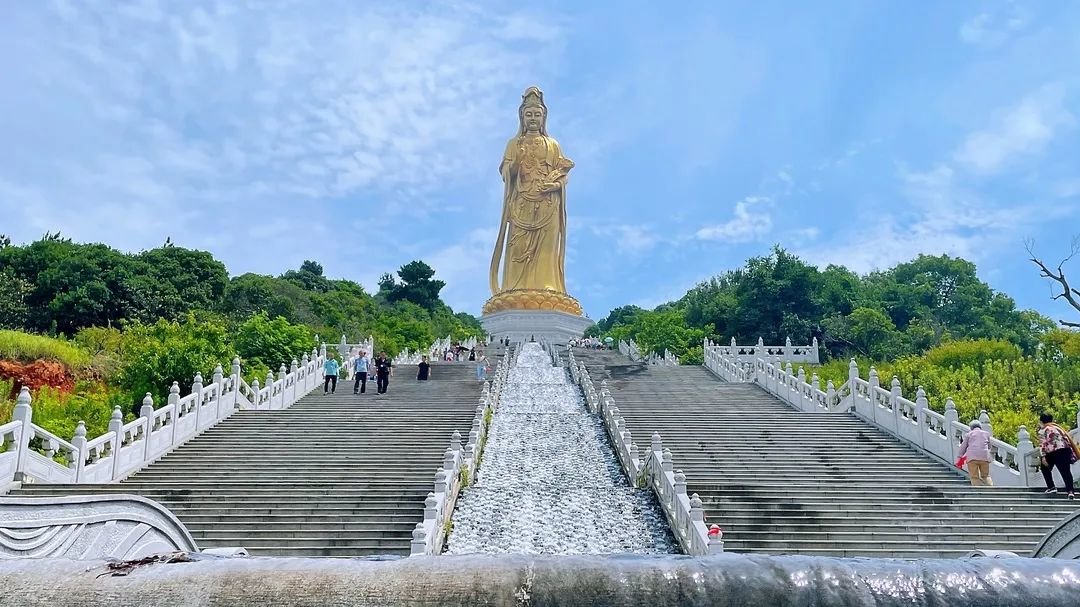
715 531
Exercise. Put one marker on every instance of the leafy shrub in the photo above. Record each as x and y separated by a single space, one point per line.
60 412
267 344
27 347
971 353
157 355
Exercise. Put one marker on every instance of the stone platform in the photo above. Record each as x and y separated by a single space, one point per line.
540 325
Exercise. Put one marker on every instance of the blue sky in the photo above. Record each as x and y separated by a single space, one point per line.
365 135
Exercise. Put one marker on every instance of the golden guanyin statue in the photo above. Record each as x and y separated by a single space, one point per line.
531 246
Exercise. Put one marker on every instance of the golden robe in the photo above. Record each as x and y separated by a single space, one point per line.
533 226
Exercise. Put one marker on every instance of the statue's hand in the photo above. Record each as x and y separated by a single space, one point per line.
551 186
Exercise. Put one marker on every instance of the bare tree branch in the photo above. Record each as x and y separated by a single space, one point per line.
1068 292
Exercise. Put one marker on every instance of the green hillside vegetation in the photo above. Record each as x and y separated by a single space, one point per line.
930 322
127 324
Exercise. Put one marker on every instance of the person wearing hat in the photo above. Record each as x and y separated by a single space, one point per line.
976 448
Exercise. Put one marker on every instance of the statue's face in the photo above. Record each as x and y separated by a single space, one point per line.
533 117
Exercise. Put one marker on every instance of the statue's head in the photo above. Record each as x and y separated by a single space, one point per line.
532 114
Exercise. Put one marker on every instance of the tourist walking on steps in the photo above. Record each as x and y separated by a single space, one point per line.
423 369
360 370
330 369
481 367
1058 451
976 449
384 369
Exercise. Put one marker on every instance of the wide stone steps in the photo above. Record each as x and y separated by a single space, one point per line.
782 481
339 475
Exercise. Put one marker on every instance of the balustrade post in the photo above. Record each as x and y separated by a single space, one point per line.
875 383
787 348
23 413
950 417
79 442
235 382
116 426
895 394
418 545
921 405
984 419
197 390
1024 451
256 388
830 394
853 381
800 383
814 357
147 412
293 366
667 465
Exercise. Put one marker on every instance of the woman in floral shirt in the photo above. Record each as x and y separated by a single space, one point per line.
1057 452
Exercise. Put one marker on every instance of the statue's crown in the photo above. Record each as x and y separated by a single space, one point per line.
533 96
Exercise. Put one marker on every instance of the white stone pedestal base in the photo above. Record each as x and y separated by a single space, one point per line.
541 325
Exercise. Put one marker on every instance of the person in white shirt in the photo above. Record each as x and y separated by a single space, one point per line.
360 369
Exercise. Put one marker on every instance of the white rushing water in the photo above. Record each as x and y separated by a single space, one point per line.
549 482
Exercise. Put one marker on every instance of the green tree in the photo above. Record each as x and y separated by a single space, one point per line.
417 286
14 313
157 354
171 281
265 344
309 277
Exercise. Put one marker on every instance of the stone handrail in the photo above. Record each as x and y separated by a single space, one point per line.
912 421
630 349
685 514
89 527
459 468
787 352
31 454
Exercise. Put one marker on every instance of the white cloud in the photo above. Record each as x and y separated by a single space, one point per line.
188 114
1020 130
627 238
990 29
751 221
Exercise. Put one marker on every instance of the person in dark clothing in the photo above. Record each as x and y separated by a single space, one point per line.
384 369
422 370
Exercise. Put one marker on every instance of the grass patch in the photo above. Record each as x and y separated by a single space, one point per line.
27 347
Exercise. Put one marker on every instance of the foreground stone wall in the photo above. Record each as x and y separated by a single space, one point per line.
720 580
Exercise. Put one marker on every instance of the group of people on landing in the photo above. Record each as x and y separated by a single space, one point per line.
1057 449
362 366
383 368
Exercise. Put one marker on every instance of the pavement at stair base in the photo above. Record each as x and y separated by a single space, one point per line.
338 475
781 481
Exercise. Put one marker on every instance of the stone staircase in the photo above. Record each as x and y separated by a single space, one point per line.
782 481
337 475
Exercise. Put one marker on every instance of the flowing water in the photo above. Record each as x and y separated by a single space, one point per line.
549 482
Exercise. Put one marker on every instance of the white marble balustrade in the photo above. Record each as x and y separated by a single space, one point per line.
31 454
913 421
458 468
684 513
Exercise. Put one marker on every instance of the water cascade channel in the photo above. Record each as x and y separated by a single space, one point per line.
549 482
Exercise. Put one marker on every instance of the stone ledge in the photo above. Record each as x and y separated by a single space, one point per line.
721 580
